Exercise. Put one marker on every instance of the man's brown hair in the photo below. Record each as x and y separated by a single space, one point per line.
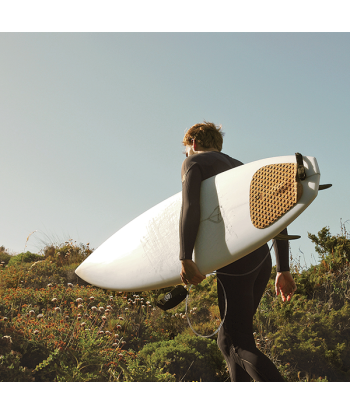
206 134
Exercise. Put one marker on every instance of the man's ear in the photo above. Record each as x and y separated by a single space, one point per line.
194 145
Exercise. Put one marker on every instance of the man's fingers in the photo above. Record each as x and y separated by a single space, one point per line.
277 289
190 273
196 279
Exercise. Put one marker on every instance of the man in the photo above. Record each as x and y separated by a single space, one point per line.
235 339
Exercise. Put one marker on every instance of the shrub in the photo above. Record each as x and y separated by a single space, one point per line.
26 257
36 275
143 370
334 250
189 358
67 253
311 332
11 369
68 334
4 256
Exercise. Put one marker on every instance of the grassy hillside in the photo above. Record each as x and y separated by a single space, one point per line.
55 327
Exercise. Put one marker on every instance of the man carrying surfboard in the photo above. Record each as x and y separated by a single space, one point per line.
245 280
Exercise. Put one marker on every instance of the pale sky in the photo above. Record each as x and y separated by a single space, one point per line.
92 123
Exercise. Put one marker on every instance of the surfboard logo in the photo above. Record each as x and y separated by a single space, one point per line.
215 216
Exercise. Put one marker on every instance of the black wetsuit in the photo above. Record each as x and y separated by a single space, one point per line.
235 338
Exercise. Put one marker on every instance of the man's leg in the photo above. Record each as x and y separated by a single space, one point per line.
236 340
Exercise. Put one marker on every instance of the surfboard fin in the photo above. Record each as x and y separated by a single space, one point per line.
283 237
324 186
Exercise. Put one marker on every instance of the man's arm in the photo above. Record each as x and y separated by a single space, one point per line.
282 253
284 283
189 224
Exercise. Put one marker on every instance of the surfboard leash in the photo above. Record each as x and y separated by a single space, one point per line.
250 272
222 321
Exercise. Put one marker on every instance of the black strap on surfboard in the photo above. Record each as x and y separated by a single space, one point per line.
302 173
301 169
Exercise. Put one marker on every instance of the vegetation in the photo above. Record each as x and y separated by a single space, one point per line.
56 327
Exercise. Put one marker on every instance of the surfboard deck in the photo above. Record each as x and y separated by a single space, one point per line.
144 254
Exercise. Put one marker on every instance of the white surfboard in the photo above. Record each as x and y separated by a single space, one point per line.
144 254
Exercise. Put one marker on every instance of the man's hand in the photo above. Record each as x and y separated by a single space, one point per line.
285 285
190 273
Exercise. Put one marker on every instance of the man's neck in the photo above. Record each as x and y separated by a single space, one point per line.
204 150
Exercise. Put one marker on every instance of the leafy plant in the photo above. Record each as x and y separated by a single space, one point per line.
4 256
136 369
188 357
24 257
334 250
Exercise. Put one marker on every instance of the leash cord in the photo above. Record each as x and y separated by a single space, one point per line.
222 321
250 272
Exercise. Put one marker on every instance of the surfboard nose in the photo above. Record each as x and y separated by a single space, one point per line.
91 273
87 271
80 271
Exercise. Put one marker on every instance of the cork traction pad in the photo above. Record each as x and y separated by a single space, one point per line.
274 190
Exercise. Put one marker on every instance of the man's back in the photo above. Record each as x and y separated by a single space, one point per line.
209 163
